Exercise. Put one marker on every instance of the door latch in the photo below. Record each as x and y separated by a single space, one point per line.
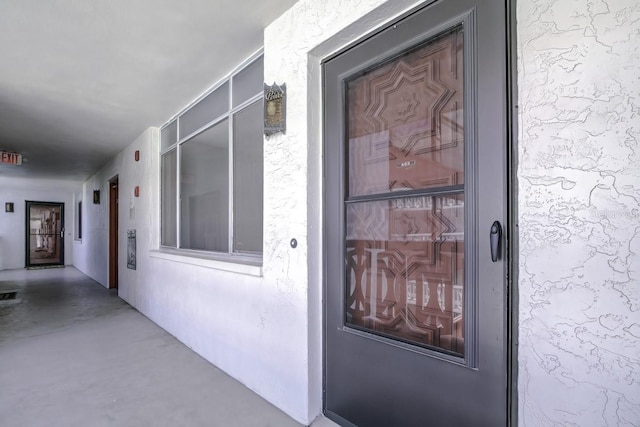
495 239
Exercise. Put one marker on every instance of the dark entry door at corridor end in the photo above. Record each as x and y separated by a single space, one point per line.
44 234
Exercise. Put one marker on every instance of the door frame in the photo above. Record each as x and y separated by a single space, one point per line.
113 232
511 238
512 235
27 258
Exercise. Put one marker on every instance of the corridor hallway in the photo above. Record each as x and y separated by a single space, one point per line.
74 354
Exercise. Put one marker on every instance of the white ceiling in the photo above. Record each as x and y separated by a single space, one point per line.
81 79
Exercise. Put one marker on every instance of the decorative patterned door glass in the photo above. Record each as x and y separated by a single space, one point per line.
405 252
405 121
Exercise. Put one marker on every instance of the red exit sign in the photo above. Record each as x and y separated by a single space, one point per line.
10 158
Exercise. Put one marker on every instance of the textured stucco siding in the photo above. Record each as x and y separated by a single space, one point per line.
579 212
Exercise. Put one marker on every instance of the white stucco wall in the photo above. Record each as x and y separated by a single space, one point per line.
579 212
91 255
12 225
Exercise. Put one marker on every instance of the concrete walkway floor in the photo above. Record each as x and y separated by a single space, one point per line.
74 354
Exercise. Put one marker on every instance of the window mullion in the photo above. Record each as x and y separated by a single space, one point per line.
231 169
178 185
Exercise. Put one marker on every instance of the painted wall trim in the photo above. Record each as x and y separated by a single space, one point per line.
203 261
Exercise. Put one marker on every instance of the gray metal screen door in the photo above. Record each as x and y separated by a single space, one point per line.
415 204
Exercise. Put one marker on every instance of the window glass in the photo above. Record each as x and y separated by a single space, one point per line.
79 230
212 170
247 179
205 111
248 82
204 190
169 135
168 198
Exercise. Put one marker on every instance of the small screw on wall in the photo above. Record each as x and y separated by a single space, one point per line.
136 155
293 243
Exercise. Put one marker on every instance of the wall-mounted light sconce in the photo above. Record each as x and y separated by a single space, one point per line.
136 155
8 207
275 108
96 197
136 191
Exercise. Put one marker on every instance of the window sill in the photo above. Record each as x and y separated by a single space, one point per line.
241 265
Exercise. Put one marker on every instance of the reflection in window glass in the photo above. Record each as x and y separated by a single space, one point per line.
169 135
205 111
204 190
248 82
406 274
405 254
247 179
168 199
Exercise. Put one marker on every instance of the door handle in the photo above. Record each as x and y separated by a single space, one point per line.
495 238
